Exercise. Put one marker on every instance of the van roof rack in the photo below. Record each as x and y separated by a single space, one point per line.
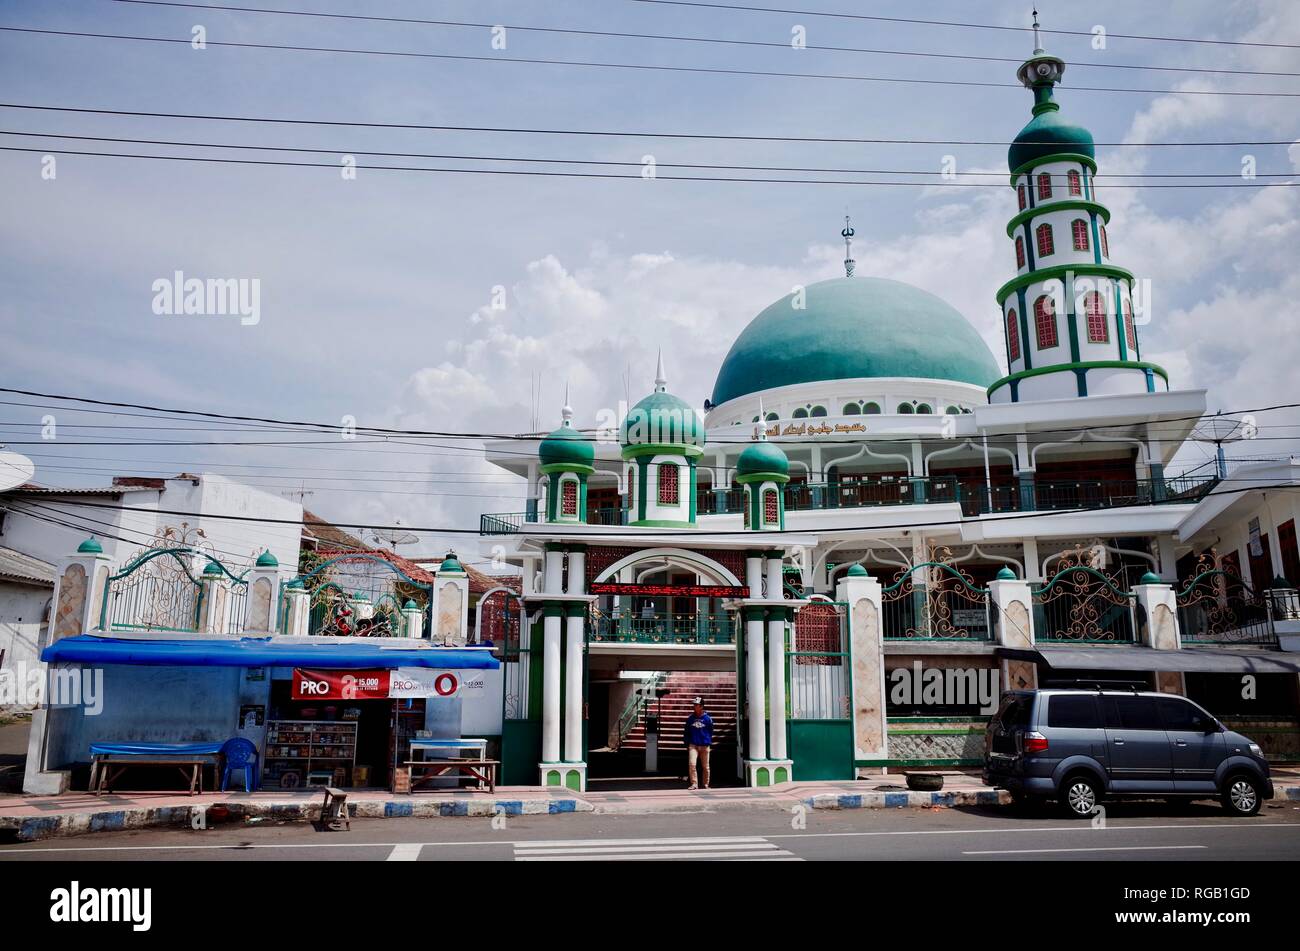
1100 685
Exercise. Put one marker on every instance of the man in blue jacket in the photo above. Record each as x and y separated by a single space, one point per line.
698 736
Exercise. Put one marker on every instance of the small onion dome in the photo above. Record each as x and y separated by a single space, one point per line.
267 560
568 449
856 571
1149 578
90 546
1005 574
212 569
662 419
450 564
763 460
410 605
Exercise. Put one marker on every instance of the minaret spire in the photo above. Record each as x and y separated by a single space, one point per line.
760 431
661 378
847 235
566 412
1038 43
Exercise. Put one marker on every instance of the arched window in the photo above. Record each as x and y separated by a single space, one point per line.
1044 186
817 411
754 420
871 409
925 410
1130 332
569 498
953 411
800 413
905 409
1020 251
851 409
1013 335
772 417
1079 229
1020 196
1105 246
1076 186
1044 237
1095 310
771 510
1045 322
668 487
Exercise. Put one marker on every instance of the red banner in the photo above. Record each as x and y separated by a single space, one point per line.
340 684
670 590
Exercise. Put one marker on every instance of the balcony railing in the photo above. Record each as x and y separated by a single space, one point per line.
975 498
662 629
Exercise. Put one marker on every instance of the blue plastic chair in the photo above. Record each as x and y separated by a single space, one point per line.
238 752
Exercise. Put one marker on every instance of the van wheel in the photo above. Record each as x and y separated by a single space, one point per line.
1080 796
1241 795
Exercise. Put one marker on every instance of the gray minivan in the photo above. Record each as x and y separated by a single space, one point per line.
1079 746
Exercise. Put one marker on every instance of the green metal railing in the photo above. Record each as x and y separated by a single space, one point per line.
662 629
974 497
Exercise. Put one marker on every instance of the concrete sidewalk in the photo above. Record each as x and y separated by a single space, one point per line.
27 818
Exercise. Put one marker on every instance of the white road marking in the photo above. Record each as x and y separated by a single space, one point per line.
405 852
754 848
1113 848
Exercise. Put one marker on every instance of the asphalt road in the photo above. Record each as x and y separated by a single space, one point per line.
1131 832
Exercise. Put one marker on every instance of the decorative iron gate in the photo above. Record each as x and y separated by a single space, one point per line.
157 590
819 692
1218 607
357 594
947 606
1080 604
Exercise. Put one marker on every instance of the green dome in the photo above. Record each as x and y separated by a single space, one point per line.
1049 134
763 457
854 327
856 571
450 563
212 569
267 560
90 546
662 419
567 447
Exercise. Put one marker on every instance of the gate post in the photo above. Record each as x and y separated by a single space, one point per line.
1157 614
1011 601
263 583
297 609
861 593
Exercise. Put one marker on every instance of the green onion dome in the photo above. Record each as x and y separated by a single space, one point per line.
451 563
763 458
1048 133
567 448
663 420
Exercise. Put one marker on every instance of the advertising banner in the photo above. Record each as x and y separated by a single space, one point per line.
340 684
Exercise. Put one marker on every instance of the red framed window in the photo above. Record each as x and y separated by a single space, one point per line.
771 511
1130 332
1095 310
1076 186
1020 251
569 498
1105 246
1013 335
1079 230
1045 322
1020 196
668 487
1046 245
1044 186
631 488
746 507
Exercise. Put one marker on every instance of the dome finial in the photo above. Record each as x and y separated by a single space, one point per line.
847 235
661 378
566 411
1038 43
760 429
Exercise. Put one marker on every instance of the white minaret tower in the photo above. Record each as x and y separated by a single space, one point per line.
847 235
1068 316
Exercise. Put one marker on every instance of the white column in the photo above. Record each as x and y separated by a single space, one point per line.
1158 603
550 687
754 687
775 585
754 575
553 579
776 686
1032 572
573 624
577 573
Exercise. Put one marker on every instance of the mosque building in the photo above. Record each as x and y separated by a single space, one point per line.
869 495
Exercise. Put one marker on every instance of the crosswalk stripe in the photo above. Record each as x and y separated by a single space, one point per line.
656 857
596 849
405 852
709 839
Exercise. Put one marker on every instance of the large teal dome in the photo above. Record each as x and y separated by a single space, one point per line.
1049 134
854 327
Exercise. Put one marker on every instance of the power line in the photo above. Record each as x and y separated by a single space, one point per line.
678 38
1001 176
632 176
650 67
963 25
845 140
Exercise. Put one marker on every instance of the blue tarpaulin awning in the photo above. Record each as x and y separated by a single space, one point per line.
261 652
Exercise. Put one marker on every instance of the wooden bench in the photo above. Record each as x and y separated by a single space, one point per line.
107 768
483 770
334 811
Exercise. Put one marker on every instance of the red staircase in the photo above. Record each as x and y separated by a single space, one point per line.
719 694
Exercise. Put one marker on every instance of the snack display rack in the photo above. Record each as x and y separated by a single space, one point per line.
297 749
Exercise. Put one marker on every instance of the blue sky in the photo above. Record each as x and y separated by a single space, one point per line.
375 292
